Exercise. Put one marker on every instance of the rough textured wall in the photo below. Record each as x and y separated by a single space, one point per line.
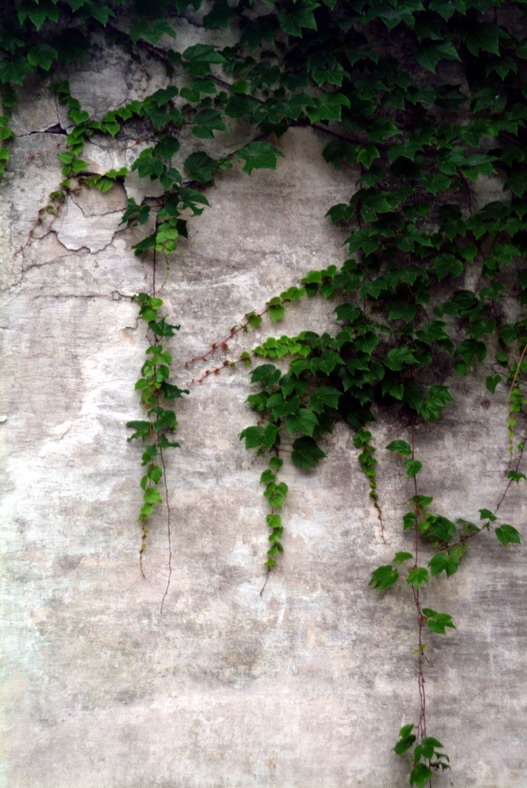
305 686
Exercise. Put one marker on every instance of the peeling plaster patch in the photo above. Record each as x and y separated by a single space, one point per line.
36 108
94 232
104 156
138 188
99 91
93 203
489 189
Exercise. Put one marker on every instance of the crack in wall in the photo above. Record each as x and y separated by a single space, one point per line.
24 270
98 214
55 129
86 296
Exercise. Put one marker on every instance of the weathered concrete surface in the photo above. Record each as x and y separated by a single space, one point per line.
305 686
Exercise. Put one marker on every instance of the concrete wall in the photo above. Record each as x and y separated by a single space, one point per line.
305 686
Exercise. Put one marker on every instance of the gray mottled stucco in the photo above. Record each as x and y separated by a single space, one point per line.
307 685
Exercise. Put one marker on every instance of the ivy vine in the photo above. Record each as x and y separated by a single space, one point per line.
417 100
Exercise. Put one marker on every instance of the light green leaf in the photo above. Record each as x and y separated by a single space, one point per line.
401 447
152 496
506 534
418 576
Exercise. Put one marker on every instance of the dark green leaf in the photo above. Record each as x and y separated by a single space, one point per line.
258 155
401 447
266 374
324 396
432 52
295 16
304 421
420 775
491 381
306 453
152 30
384 577
201 167
405 742
412 467
43 55
399 558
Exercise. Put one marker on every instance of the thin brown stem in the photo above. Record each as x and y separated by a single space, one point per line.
169 534
222 343
266 581
421 726
518 369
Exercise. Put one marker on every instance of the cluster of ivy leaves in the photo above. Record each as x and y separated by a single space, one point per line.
420 102
156 392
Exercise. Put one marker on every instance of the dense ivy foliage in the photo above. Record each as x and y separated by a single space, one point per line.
419 101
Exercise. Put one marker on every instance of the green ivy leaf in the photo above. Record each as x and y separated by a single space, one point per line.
420 775
219 15
207 122
197 59
275 309
267 374
327 107
258 155
43 55
38 12
252 436
413 467
14 70
405 742
295 16
418 576
142 429
401 447
367 155
491 381
399 356
152 496
483 36
448 561
447 264
201 167
384 577
152 31
432 52
506 534
409 520
274 520
325 396
306 453
437 622
304 421
155 473
399 558
166 147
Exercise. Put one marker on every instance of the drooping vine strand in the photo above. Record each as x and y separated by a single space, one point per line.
155 389
448 540
368 465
